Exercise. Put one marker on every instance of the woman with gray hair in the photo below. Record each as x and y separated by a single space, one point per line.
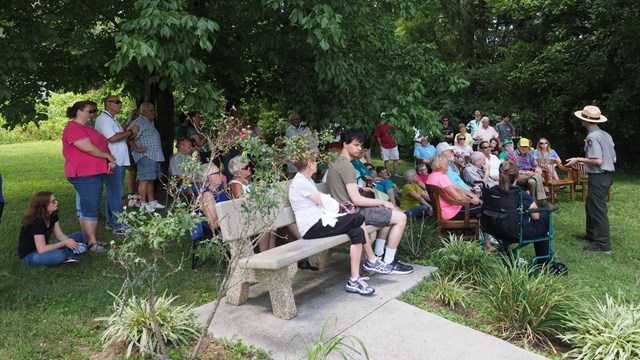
413 200
241 171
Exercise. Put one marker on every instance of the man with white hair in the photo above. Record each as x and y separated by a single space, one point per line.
147 153
485 132
476 173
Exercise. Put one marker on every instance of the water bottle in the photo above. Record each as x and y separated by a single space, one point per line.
81 249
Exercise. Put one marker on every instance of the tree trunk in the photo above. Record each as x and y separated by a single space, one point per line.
163 100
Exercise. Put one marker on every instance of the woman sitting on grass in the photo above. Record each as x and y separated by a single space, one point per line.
315 220
39 221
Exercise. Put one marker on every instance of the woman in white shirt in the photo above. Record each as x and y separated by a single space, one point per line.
317 217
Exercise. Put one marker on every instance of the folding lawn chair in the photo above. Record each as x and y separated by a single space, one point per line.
504 222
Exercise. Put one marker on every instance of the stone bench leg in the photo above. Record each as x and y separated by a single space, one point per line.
322 259
279 284
238 287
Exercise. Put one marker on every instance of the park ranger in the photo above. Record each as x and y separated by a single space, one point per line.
599 162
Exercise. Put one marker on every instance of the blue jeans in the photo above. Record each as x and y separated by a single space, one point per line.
89 189
114 183
54 257
418 211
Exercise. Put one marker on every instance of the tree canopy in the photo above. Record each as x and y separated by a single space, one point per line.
335 61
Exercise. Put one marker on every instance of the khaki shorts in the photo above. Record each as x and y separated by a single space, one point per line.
376 216
389 154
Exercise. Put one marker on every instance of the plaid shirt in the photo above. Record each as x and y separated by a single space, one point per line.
148 137
525 162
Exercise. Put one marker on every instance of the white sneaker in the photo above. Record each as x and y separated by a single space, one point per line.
134 200
156 205
148 207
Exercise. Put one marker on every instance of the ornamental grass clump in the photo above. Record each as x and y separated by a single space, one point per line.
525 305
450 290
609 330
461 257
418 239
131 323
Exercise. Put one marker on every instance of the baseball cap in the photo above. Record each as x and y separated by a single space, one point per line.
506 141
524 142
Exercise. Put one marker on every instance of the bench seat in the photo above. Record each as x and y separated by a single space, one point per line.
292 252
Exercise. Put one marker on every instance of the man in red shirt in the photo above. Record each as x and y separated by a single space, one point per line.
388 146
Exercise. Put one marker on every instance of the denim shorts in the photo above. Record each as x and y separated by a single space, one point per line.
148 169
89 188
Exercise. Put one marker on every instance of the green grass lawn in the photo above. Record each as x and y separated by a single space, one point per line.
49 312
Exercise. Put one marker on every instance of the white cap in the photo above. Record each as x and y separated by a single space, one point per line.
443 146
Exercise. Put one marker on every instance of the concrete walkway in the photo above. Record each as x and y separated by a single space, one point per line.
389 328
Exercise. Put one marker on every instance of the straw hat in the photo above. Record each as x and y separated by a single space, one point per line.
590 113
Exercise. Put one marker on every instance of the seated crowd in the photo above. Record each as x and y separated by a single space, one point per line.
358 195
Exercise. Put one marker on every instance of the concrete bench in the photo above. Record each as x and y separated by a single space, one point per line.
276 267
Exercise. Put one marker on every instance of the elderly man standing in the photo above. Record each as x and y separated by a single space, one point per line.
424 152
147 153
107 125
485 132
529 174
599 161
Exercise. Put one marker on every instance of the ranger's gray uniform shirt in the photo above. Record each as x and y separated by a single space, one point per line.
599 145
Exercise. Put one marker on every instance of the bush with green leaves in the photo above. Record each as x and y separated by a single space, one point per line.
460 257
607 330
418 239
132 323
526 304
449 290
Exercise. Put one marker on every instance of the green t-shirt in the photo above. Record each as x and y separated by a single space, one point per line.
341 172
406 200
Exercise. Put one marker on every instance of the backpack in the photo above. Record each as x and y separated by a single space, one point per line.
501 213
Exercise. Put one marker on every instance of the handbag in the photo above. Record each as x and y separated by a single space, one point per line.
347 207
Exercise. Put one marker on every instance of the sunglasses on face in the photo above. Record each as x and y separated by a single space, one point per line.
543 143
54 201
118 102
461 139
485 147
91 111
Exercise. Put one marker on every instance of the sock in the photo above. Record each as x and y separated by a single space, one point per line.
389 256
379 247
352 279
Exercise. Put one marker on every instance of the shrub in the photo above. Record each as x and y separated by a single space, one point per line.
527 306
131 323
610 331
449 290
460 257
344 346
418 239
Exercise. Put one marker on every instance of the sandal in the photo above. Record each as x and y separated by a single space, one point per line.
96 247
